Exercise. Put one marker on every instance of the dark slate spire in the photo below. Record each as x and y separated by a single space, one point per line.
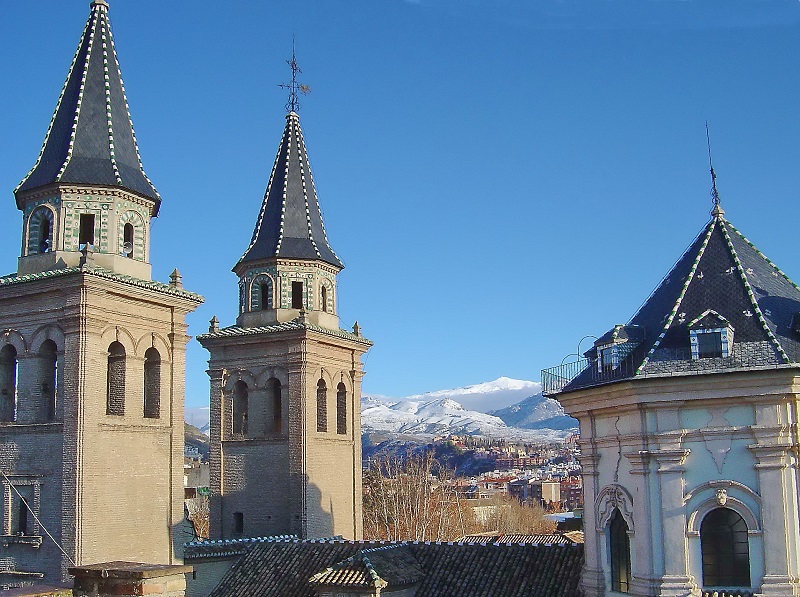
721 276
91 140
290 223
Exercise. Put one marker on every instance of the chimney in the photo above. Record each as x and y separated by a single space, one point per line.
128 579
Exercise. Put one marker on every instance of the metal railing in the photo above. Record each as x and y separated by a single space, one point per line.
726 593
583 373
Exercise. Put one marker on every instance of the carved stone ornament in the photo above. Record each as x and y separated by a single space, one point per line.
722 497
613 497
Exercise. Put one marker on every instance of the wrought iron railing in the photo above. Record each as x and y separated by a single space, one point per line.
583 373
726 593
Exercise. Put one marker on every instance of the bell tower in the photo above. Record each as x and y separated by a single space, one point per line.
91 348
286 380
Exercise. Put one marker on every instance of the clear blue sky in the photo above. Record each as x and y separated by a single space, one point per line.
500 177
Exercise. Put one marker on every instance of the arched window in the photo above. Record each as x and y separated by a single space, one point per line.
261 294
152 384
45 235
40 231
8 384
620 550
322 406
726 552
127 240
324 298
115 387
274 396
240 406
48 361
341 409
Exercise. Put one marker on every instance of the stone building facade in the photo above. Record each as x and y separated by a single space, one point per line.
91 348
286 380
689 431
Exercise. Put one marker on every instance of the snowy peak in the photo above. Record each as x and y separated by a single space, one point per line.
483 397
446 412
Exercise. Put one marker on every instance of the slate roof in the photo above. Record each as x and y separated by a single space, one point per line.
90 139
722 276
290 223
295 568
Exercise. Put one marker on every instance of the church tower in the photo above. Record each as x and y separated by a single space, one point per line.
92 350
286 380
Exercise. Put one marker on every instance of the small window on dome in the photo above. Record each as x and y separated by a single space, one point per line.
709 345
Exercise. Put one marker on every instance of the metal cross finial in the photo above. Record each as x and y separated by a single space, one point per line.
714 193
293 105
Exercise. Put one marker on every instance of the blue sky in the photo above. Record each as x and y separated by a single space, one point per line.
500 177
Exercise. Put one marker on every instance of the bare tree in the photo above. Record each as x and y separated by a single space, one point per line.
412 498
198 515
510 516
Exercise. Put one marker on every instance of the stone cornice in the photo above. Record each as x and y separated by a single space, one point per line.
56 189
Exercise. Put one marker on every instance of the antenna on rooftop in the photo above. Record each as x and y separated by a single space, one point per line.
293 105
714 193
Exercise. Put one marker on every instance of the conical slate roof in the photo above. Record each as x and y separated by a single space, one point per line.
91 139
723 272
290 223
721 277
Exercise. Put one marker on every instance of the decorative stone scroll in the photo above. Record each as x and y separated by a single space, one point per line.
613 497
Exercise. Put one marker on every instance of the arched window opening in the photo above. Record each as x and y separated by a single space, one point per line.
8 384
266 296
48 360
127 240
341 409
45 234
620 550
324 298
725 549
274 393
322 406
115 392
240 406
152 384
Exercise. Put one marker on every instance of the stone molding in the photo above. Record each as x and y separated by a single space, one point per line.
613 497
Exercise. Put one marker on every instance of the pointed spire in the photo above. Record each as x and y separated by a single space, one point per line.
716 211
91 140
290 223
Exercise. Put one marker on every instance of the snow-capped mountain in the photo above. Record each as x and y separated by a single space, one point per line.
536 412
440 413
487 396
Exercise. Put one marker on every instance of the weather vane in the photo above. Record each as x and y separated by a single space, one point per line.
714 193
293 105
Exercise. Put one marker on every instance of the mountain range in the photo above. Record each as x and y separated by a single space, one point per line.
531 417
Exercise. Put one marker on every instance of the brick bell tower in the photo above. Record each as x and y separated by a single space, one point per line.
91 348
286 380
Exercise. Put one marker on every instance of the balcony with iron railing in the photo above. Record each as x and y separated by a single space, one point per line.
583 373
